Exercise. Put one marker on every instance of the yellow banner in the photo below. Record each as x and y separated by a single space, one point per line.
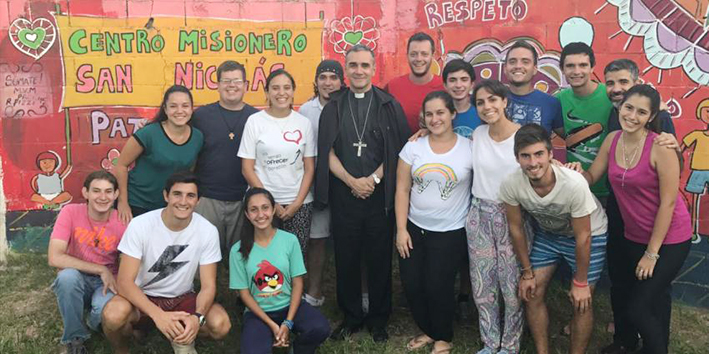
131 62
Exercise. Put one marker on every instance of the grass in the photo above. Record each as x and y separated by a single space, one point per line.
30 321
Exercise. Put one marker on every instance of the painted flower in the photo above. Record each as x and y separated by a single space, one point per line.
110 160
350 31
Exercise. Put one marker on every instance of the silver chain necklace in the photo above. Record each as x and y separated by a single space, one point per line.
359 145
625 156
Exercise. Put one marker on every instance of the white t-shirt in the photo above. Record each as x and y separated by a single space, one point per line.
312 110
440 197
279 145
570 198
492 162
169 259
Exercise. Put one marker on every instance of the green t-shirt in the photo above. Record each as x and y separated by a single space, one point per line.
269 271
586 126
160 159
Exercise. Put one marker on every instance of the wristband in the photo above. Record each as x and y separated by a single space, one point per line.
288 323
579 284
527 268
653 256
528 278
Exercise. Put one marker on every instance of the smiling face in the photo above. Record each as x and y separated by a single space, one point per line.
635 113
438 119
231 87
47 165
178 108
327 83
535 160
280 92
100 195
259 211
420 56
577 69
519 67
490 108
181 200
459 84
617 83
359 68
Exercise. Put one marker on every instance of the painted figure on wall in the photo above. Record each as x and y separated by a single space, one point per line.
48 185
699 163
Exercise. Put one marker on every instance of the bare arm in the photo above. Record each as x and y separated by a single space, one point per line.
131 151
58 258
401 208
600 164
248 169
527 284
669 186
582 233
309 173
167 322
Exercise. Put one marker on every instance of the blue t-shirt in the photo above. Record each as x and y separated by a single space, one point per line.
269 271
218 167
465 122
535 107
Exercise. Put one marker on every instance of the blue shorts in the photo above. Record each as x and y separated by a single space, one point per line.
698 179
548 249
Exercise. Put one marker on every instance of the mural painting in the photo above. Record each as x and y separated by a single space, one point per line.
78 78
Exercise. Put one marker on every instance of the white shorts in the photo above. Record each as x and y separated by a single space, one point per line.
320 227
50 196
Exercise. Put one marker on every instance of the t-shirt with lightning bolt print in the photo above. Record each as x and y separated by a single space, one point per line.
169 259
586 126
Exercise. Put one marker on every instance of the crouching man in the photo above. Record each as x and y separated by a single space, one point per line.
161 253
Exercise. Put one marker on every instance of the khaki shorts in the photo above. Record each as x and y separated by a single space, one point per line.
226 216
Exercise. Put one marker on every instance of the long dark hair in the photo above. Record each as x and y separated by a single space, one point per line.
654 97
161 116
247 229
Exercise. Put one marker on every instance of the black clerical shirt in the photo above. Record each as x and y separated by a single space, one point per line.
373 154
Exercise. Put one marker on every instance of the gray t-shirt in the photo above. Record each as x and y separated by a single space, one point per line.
570 198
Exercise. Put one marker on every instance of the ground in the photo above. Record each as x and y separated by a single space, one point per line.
30 321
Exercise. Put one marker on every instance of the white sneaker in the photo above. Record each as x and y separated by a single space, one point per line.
313 301
183 348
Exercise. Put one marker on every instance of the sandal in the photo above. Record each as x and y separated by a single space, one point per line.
419 341
445 350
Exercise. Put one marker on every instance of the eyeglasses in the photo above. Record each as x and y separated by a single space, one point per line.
236 82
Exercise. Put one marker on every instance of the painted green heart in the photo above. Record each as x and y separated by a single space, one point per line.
32 37
353 37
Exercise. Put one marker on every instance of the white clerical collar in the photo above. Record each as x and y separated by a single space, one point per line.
359 95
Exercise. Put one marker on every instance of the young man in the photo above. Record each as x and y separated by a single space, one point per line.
585 109
527 104
620 75
161 252
410 89
458 80
570 225
329 78
219 169
362 130
83 247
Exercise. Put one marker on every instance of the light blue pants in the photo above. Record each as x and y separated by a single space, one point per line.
77 291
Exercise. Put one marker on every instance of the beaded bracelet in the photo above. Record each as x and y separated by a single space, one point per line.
579 284
289 324
653 256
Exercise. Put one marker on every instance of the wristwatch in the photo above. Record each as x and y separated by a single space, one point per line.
201 318
376 178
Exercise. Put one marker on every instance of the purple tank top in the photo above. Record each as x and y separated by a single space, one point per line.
639 198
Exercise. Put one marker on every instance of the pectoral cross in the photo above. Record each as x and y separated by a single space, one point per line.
231 136
359 145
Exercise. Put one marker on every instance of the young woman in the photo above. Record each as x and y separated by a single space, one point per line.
164 146
432 199
278 152
657 224
267 269
494 271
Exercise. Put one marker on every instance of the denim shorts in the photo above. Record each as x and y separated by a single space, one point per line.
549 249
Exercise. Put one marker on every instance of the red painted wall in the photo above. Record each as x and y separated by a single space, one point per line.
45 115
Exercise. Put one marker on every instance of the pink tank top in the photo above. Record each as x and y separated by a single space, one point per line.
639 198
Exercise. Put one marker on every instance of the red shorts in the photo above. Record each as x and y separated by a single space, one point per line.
186 302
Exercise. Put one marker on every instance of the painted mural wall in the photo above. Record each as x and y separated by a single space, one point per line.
76 77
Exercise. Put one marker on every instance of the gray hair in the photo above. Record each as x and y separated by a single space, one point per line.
623 64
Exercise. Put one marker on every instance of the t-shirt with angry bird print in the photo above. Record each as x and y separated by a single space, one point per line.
269 271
